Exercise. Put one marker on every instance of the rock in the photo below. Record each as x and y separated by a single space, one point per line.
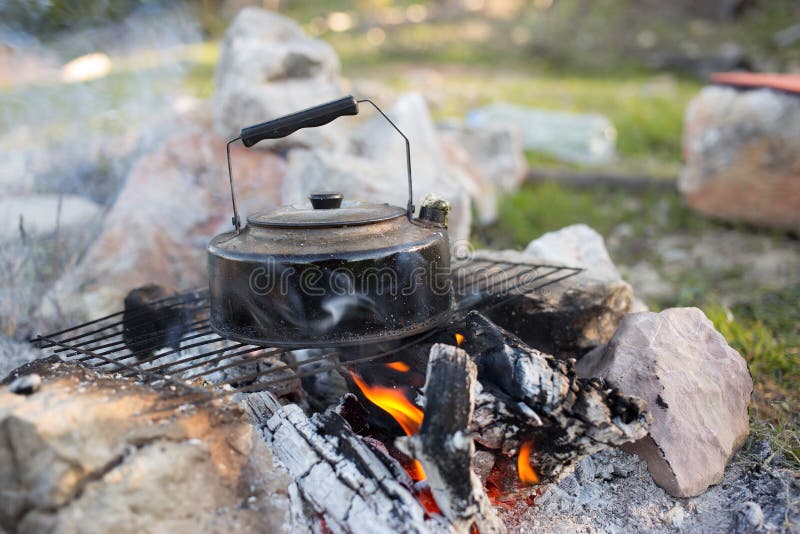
26 384
495 150
175 200
36 216
639 306
432 170
749 516
268 68
581 138
576 314
482 193
84 454
696 386
375 168
577 245
742 152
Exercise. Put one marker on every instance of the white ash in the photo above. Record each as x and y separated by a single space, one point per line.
166 356
611 491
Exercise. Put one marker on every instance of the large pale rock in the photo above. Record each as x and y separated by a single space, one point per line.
37 216
83 455
375 168
576 314
495 149
581 138
742 151
268 67
175 200
434 167
696 387
578 245
481 191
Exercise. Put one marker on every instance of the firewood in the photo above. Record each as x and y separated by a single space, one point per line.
526 396
444 446
147 325
344 479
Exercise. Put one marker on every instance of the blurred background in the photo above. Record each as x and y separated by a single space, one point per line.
89 86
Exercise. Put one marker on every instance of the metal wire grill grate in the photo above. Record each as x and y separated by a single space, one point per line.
201 362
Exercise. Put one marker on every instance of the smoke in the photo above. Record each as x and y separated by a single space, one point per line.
73 109
76 110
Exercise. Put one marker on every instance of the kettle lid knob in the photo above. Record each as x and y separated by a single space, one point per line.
326 201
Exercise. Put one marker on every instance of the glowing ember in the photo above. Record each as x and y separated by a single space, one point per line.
526 473
398 366
459 339
425 496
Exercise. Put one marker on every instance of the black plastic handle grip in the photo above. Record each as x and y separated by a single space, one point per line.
283 126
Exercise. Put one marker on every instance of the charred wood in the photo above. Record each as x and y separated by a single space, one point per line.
444 446
322 388
347 481
147 325
525 395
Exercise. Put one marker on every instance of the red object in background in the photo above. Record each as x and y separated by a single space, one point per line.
781 82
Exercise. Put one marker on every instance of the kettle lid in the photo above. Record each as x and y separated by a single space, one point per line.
326 210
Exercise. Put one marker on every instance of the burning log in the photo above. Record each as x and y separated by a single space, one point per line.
443 444
531 403
148 324
348 481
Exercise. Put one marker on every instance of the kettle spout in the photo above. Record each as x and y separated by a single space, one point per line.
434 210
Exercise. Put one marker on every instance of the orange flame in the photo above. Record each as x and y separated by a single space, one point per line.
417 473
398 366
526 473
393 402
459 339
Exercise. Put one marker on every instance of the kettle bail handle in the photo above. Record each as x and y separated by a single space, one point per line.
309 118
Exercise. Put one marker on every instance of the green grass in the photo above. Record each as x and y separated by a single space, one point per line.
539 208
202 62
766 332
782 435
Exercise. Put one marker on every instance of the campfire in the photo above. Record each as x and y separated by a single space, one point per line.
378 364
434 432
460 445
362 355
